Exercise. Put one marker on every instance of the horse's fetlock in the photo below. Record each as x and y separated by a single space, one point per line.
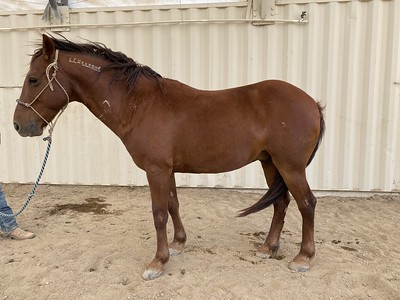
181 237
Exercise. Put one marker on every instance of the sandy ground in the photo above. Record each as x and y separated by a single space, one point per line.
94 243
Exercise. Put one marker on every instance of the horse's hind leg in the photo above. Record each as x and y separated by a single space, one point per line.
178 243
271 245
297 184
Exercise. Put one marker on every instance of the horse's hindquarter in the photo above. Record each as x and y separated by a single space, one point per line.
218 131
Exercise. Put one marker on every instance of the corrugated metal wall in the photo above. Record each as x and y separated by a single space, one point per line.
347 56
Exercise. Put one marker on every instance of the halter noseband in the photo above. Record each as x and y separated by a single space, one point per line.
53 65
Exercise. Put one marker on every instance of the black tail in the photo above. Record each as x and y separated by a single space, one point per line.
279 188
321 131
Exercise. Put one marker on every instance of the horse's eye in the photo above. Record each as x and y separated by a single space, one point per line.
33 81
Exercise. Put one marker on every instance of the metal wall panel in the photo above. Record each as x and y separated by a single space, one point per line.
347 56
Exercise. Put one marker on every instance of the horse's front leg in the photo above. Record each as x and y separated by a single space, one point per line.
159 189
178 243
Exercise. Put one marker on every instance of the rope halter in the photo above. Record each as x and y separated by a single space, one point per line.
53 65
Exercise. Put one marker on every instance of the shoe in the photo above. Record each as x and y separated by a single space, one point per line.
19 234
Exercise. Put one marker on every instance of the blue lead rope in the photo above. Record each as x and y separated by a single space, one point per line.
30 196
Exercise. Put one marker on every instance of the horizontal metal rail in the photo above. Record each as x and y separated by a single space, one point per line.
254 22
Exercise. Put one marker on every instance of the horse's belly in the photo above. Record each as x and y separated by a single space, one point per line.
203 161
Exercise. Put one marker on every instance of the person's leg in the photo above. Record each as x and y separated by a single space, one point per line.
7 224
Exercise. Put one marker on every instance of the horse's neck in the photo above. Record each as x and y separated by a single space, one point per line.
92 88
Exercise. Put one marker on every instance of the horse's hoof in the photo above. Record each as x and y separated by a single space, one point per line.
301 263
174 252
151 274
299 267
176 248
263 254
266 252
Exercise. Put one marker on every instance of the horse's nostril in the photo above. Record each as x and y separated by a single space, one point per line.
16 126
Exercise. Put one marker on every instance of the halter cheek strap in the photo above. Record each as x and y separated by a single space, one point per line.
53 65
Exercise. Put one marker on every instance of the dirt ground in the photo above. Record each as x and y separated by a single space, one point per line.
94 243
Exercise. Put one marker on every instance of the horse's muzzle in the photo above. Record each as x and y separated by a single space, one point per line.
30 129
16 126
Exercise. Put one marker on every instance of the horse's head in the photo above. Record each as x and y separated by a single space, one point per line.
43 94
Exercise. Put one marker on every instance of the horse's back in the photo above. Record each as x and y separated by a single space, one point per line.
214 131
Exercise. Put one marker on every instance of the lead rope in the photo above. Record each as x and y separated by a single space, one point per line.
51 125
32 193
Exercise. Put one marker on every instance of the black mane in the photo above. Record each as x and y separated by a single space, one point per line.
127 69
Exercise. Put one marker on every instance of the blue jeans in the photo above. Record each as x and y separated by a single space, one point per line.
7 224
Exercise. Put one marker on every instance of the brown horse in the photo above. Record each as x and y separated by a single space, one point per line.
169 127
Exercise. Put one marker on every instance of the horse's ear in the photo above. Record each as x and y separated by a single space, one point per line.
48 46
